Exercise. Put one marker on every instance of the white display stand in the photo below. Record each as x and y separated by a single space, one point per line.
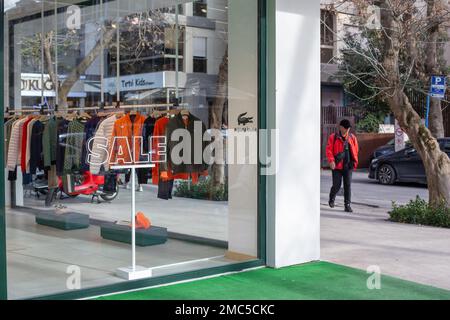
133 272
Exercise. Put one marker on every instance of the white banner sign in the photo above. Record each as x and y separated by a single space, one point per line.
35 85
136 82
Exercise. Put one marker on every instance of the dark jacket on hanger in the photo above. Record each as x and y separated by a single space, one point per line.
195 148
36 147
147 132
165 189
74 147
89 131
61 134
50 142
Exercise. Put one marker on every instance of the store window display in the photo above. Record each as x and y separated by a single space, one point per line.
126 91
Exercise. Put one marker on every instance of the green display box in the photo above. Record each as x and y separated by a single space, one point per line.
144 238
66 221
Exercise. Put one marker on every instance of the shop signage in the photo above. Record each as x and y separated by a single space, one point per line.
35 82
243 120
245 124
136 82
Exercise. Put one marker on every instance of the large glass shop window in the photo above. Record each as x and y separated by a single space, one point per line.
121 116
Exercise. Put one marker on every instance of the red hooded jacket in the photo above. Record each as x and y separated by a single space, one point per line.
336 145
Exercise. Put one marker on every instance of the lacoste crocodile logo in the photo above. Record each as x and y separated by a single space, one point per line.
243 120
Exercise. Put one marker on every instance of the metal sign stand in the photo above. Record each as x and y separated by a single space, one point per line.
134 272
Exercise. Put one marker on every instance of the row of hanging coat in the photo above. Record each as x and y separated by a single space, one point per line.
59 146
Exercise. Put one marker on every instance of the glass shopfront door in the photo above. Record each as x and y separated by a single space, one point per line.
95 88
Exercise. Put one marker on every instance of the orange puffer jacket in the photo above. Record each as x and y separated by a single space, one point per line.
125 129
336 145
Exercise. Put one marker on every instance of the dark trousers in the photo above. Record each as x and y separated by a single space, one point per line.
338 176
142 174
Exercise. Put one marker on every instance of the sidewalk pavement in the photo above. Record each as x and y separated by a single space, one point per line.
366 237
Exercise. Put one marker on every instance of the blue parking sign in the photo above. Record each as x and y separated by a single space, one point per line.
438 80
438 87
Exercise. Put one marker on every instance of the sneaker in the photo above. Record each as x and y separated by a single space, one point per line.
127 186
348 209
140 189
331 204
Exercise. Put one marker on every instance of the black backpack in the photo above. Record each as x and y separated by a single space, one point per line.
340 156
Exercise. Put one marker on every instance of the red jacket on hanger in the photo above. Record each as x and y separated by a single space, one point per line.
23 145
160 131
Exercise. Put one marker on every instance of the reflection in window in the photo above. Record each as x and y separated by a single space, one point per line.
327 30
115 77
147 44
200 8
200 57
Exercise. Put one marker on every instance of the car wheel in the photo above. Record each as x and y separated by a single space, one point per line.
386 175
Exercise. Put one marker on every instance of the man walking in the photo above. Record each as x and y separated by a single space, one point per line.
342 154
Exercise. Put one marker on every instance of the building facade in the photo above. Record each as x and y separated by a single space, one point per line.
336 24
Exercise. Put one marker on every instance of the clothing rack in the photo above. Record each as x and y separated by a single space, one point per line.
119 107
22 111
25 110
151 106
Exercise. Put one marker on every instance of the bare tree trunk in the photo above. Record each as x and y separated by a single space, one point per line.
436 162
74 76
436 121
48 59
217 111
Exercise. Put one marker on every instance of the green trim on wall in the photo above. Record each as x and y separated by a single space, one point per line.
270 97
3 271
262 121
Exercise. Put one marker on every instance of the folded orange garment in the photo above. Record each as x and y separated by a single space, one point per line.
142 222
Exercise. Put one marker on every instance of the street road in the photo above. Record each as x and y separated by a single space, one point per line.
371 193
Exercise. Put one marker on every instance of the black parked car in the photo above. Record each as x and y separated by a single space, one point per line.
402 166
387 149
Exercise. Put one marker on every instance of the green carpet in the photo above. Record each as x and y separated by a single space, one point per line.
314 281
